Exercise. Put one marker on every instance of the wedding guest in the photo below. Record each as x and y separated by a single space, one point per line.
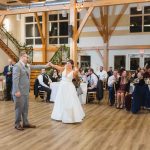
111 82
92 80
122 88
8 74
102 74
44 84
55 76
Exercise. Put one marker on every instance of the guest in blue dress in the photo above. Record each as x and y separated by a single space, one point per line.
141 95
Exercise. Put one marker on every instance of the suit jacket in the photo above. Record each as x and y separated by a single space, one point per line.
21 78
8 77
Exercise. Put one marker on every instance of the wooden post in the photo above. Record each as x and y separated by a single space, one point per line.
105 54
44 29
73 22
2 17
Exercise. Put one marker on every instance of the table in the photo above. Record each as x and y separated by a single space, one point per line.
54 87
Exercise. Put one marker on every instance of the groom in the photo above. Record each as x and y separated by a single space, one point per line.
20 90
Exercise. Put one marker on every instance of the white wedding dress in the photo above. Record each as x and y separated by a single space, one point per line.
67 107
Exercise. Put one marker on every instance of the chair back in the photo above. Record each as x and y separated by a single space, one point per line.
1 85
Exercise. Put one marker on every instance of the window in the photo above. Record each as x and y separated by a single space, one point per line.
85 61
134 63
58 28
147 62
32 35
119 61
140 20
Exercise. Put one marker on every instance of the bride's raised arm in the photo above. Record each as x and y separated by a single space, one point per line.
60 68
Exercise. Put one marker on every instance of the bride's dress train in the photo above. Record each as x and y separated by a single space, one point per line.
67 107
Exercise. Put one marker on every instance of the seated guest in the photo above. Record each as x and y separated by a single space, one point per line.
111 82
141 95
44 83
122 88
55 77
92 80
110 72
147 73
8 74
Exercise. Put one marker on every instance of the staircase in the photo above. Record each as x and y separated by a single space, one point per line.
8 51
58 58
11 46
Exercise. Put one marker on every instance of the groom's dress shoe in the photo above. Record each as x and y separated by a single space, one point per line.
19 127
29 126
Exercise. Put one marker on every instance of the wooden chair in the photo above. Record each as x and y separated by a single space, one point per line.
42 96
92 95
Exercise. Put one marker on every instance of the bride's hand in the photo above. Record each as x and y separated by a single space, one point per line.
50 64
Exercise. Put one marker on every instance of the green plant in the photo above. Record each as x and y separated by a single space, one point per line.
60 57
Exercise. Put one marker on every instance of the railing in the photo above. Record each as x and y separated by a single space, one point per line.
61 55
13 44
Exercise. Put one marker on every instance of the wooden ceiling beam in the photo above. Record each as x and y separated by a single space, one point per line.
2 17
33 10
67 6
84 22
99 27
113 27
111 2
39 28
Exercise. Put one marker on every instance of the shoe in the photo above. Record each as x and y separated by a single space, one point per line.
121 106
117 106
19 127
29 126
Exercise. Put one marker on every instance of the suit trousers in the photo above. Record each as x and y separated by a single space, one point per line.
21 109
8 90
111 95
48 90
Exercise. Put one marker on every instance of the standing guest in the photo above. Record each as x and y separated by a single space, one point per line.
111 82
8 74
44 84
102 74
20 90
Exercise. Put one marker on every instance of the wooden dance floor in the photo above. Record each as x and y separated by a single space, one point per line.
104 128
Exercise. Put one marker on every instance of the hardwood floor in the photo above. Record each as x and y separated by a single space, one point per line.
104 128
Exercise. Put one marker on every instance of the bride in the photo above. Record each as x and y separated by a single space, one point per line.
67 107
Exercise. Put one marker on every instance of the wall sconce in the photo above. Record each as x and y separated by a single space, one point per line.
79 6
139 7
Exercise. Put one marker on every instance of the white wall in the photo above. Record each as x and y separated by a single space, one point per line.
3 60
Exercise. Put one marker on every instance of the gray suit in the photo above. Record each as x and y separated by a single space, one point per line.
21 82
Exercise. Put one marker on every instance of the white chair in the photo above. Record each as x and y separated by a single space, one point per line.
2 88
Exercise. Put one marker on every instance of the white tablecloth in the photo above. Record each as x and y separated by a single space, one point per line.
54 87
